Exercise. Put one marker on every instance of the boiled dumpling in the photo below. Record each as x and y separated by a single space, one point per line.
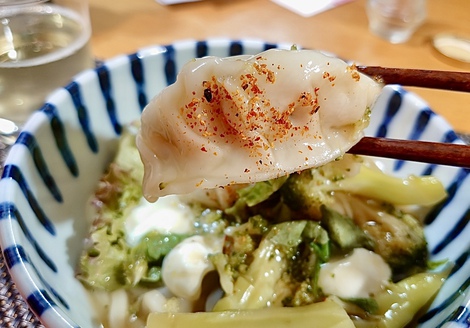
244 119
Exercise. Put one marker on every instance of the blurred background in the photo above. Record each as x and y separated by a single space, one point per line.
124 26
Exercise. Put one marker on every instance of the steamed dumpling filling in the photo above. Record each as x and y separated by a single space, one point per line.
251 118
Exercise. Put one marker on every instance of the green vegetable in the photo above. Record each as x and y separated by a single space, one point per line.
369 305
278 233
259 192
261 198
101 264
369 197
399 304
304 195
208 221
306 191
318 239
413 190
108 262
343 232
398 237
327 314
304 266
143 263
255 289
287 235
287 259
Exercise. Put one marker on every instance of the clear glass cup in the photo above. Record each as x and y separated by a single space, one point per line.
395 20
43 44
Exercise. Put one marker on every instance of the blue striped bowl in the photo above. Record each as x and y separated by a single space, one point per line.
64 148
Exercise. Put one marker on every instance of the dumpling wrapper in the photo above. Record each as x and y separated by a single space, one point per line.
244 119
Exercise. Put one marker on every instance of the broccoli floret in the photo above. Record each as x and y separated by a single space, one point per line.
303 195
304 266
286 261
398 237
305 192
101 263
239 249
401 242
344 186
108 262
261 198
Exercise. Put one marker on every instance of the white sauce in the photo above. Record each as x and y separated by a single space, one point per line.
359 275
155 300
186 265
167 215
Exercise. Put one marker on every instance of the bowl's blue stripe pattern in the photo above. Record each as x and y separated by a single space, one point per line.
14 172
393 106
460 314
201 49
14 214
30 142
44 296
170 65
40 301
451 190
58 130
16 255
236 48
105 84
419 127
138 75
450 137
383 127
422 121
462 223
30 237
74 89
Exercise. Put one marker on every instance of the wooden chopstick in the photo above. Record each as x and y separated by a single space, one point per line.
434 79
412 150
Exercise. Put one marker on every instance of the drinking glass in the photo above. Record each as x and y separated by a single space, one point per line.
43 44
395 20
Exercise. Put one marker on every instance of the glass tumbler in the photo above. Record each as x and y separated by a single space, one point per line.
395 20
43 44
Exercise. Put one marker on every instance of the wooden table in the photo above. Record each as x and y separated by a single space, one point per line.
124 26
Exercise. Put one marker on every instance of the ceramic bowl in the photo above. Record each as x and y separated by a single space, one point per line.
64 148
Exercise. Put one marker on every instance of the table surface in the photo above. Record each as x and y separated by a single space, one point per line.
125 26
121 27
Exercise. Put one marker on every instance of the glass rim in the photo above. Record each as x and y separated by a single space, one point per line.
8 3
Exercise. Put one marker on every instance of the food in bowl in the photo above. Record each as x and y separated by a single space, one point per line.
65 147
310 237
332 240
